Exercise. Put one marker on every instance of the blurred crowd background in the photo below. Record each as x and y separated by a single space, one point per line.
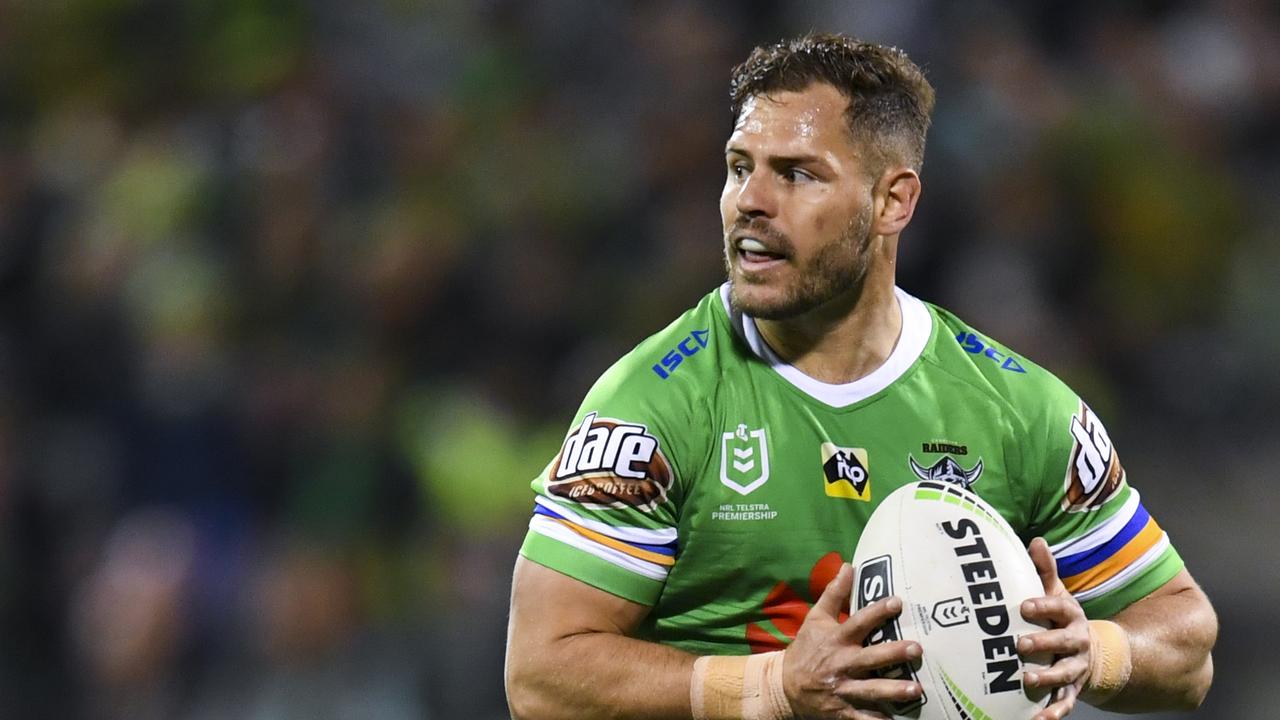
296 297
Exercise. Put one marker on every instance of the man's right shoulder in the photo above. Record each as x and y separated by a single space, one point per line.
682 360
609 502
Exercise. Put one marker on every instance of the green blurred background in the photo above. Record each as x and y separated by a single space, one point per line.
295 298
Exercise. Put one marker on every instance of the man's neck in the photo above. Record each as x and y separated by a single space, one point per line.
845 339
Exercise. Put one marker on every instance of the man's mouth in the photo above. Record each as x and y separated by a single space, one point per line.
755 255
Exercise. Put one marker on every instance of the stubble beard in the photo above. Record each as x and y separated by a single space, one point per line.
838 268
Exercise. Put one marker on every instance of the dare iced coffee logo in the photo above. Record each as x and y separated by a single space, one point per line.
610 463
1094 472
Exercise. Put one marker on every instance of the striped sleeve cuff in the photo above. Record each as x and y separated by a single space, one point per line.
1119 561
630 562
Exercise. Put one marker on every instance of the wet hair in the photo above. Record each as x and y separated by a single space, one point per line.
889 98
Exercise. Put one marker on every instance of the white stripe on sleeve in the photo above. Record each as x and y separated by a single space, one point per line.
546 526
1124 576
1102 533
644 536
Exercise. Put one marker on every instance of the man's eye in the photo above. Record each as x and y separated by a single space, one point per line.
795 175
738 170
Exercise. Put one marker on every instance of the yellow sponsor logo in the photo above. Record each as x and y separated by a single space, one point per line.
846 472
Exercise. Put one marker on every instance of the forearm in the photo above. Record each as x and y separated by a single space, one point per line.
571 654
600 675
1170 639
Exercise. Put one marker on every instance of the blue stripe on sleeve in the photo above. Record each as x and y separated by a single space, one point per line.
1078 563
541 510
660 549
668 549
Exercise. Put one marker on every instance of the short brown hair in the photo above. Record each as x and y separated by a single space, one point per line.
889 98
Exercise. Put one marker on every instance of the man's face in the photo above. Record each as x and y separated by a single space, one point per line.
796 206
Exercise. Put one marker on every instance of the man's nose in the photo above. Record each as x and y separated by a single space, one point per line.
757 197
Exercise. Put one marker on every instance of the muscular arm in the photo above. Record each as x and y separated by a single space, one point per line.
1171 632
568 654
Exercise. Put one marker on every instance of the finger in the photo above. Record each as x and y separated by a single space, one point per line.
862 661
860 624
1060 610
1063 673
836 595
864 714
866 692
1055 642
852 713
1060 708
1046 566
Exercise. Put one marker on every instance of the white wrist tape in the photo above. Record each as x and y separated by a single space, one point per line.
747 687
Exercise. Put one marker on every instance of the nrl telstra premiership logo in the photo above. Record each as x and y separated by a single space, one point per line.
744 459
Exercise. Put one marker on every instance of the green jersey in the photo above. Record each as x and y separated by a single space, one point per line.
705 477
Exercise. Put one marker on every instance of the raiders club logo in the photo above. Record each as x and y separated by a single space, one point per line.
947 470
1094 473
608 463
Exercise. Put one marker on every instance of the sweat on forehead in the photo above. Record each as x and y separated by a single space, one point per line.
813 113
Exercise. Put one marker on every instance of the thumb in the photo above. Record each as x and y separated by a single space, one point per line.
835 598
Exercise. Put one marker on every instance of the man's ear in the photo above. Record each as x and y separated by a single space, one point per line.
895 195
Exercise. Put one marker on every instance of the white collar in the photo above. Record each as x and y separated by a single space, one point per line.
917 327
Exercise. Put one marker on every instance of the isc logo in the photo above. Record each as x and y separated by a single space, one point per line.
687 347
974 345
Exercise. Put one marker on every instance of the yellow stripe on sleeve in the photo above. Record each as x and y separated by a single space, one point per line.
1134 549
635 552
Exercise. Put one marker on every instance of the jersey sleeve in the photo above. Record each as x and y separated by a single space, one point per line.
1110 551
607 506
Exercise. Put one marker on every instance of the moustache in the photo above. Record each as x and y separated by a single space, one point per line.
763 231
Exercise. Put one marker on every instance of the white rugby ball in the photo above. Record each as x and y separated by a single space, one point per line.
962 574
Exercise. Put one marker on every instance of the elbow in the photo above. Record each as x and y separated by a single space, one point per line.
521 706
1196 687
530 696
523 698
518 703
1199 679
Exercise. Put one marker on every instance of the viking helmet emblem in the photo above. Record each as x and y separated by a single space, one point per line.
947 470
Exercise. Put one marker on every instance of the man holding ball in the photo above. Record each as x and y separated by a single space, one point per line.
687 554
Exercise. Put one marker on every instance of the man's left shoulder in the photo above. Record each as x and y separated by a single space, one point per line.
978 359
